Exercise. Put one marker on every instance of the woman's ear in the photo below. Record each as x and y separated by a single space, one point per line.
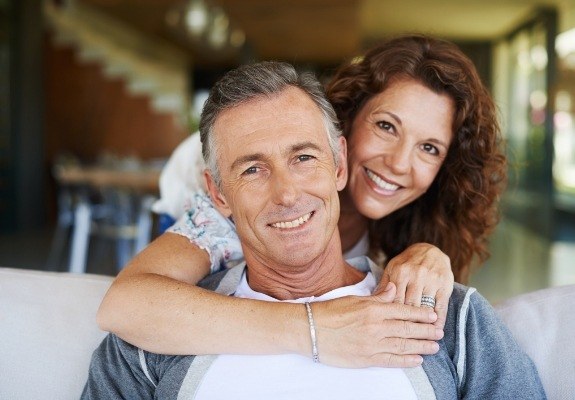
341 170
217 196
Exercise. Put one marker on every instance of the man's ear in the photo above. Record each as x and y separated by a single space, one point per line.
217 196
341 171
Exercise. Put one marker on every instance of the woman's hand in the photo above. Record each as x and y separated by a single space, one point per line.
357 332
421 269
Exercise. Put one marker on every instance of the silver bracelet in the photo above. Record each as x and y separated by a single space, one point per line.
314 353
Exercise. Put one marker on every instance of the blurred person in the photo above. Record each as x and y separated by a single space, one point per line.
425 166
281 187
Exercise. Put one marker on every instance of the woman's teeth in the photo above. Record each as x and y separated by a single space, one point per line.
380 182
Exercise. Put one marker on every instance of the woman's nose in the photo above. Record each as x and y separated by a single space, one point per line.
399 158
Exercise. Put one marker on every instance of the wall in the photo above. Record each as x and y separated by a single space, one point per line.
21 142
88 114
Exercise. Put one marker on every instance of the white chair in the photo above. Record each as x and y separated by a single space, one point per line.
543 323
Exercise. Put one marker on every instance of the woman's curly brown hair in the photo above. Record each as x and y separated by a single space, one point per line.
460 209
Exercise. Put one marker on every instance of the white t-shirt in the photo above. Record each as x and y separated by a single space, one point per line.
291 376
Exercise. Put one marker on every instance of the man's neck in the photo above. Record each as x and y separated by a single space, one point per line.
325 273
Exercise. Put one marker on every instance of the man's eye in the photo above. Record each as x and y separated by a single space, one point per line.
250 171
305 157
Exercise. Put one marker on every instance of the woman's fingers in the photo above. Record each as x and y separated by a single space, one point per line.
415 293
390 360
390 328
415 290
422 270
373 331
402 346
441 305
402 285
381 287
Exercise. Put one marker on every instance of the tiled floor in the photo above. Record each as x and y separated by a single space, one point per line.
31 250
521 261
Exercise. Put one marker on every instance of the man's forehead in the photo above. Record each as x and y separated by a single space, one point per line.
283 123
290 105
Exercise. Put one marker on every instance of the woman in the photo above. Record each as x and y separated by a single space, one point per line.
449 127
458 211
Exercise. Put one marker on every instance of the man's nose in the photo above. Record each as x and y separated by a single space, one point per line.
285 188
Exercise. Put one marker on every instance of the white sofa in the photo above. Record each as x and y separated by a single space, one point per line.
48 332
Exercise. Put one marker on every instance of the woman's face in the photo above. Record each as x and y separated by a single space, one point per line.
397 144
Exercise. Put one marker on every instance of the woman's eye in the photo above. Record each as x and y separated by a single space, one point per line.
386 126
431 149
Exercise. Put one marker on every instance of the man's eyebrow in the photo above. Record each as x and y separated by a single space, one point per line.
260 156
246 159
304 146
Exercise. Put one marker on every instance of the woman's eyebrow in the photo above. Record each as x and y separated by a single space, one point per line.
438 141
392 115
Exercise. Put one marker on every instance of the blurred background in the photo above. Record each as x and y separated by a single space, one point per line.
96 94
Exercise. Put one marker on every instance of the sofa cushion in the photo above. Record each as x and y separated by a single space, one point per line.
48 332
543 324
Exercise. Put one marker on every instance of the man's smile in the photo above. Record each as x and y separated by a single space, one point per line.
293 223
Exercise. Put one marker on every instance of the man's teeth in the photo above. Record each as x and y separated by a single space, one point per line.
292 224
380 182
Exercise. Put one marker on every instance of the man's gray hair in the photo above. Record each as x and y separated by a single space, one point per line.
254 80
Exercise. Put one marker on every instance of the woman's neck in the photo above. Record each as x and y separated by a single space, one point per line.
352 225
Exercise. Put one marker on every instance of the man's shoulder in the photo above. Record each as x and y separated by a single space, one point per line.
465 296
225 281
467 304
461 293
365 264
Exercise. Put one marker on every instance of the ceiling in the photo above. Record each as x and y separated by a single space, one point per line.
325 31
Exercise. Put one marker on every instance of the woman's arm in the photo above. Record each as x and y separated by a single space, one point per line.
154 304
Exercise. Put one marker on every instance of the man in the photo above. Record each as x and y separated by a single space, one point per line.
275 162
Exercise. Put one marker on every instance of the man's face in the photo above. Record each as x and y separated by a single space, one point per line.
279 181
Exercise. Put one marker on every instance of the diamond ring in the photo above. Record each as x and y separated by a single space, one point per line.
428 301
